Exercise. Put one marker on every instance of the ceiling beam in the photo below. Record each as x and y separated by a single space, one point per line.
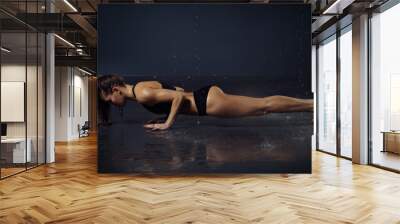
81 61
86 26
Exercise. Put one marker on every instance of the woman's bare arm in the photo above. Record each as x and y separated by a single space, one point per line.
176 104
163 95
179 89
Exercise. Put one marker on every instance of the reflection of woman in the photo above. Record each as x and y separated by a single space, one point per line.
161 98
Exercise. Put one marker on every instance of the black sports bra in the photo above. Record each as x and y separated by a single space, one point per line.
159 108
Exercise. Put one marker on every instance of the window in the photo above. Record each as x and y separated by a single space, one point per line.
327 95
22 86
385 88
346 92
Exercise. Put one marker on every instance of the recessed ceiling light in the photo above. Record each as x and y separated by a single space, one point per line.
5 50
338 6
84 71
70 5
65 41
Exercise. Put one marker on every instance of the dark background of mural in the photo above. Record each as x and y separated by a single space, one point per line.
247 49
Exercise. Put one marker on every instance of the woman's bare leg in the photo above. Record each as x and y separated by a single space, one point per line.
287 104
221 104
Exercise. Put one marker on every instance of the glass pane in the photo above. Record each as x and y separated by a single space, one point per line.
346 94
327 96
13 79
314 82
41 98
23 79
31 100
385 84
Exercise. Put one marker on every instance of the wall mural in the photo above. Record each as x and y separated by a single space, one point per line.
204 88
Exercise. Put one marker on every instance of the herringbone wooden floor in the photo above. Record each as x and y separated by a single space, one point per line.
71 191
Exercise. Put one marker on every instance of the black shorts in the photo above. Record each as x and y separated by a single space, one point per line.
200 98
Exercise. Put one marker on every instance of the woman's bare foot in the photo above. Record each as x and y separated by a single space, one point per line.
310 103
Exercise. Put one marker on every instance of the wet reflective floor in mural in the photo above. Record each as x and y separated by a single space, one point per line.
274 143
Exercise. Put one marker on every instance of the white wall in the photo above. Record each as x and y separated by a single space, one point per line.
34 125
70 83
14 72
61 103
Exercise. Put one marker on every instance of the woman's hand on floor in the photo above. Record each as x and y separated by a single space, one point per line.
157 120
159 126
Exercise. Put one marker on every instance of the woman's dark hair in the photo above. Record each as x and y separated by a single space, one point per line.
105 84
